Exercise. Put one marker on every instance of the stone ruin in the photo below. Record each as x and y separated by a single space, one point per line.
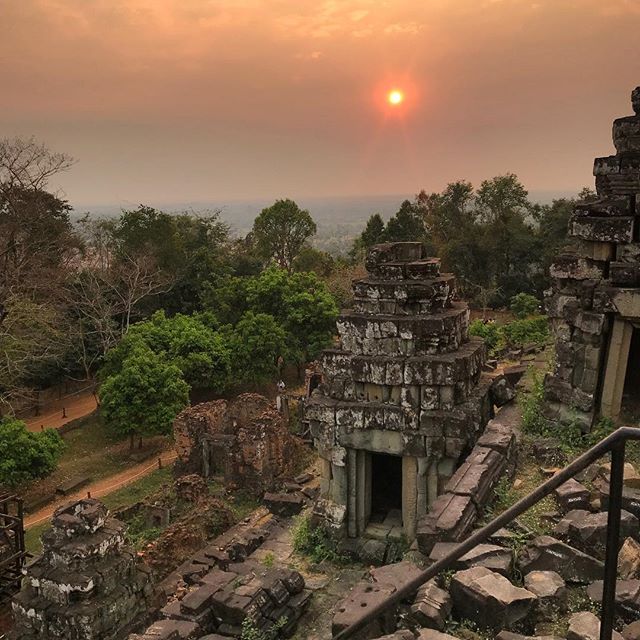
245 440
229 586
403 399
594 303
86 585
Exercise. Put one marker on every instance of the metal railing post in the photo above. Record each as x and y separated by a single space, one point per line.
616 479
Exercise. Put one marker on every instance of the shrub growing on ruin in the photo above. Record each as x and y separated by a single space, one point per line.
25 455
314 542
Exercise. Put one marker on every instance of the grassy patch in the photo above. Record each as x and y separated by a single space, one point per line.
138 490
32 541
89 451
529 478
139 534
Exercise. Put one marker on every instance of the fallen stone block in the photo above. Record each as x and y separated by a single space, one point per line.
432 634
627 598
589 532
364 597
501 390
431 607
631 631
404 634
629 559
173 630
488 598
545 553
508 635
490 556
450 518
284 504
572 495
548 587
397 574
584 625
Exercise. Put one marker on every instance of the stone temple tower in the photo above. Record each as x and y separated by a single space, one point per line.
594 303
402 400
86 585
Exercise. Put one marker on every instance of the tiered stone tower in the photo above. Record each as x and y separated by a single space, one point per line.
400 404
594 302
86 585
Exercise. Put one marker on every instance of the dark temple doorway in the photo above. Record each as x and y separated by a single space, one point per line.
386 486
631 391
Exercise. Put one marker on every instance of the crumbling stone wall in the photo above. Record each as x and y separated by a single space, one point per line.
86 585
595 295
245 440
406 381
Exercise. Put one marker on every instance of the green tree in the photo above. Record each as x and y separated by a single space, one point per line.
523 305
144 396
302 305
406 225
25 455
256 342
188 247
310 259
33 346
281 231
189 342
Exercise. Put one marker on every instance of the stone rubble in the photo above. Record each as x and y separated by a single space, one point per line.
489 598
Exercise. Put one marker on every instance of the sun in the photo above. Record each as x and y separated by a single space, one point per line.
395 97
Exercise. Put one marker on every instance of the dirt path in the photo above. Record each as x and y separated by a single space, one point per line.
62 411
101 487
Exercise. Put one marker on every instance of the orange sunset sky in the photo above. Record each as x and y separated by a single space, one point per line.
173 100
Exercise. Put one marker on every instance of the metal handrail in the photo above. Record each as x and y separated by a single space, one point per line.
614 443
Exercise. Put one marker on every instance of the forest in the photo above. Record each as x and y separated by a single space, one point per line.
162 308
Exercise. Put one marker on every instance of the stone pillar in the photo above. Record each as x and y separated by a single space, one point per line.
361 483
352 494
422 491
409 495
616 368
325 477
339 483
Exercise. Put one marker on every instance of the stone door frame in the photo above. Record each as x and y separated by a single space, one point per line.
616 367
360 499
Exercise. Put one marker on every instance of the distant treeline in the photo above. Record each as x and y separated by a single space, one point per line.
496 241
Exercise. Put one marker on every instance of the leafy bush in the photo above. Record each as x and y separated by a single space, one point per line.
314 542
139 534
524 305
25 455
488 331
533 330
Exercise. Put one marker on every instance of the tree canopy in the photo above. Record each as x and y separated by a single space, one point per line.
144 396
25 455
281 231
